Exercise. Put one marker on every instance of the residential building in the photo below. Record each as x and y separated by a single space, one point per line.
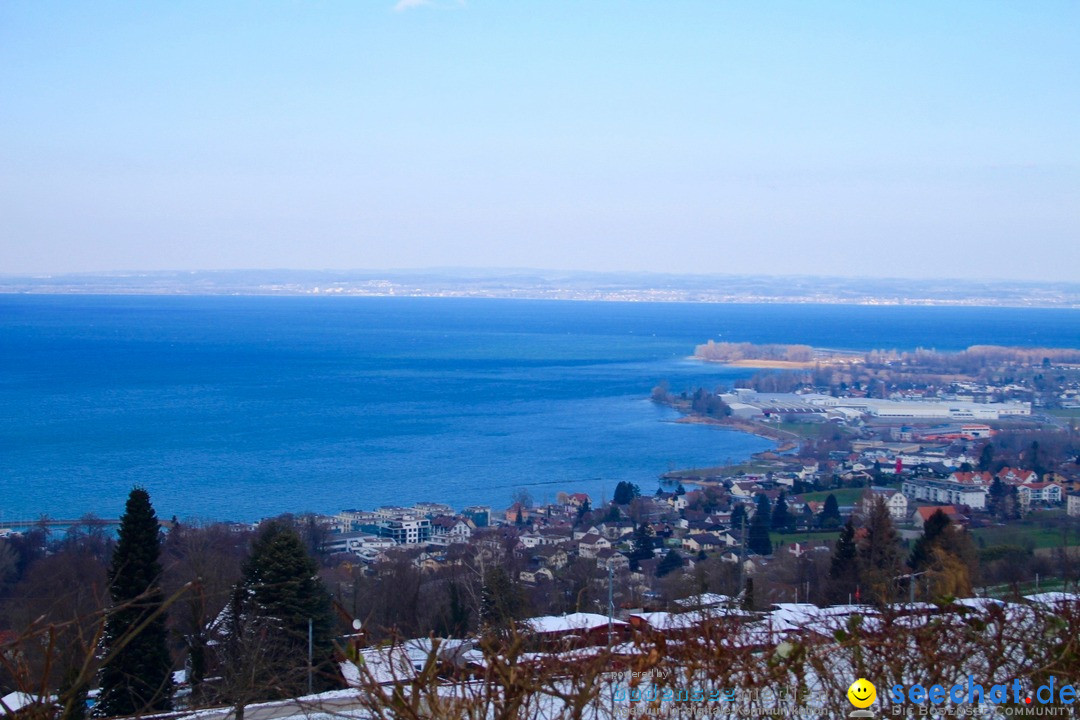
1016 476
1040 493
479 514
402 529
895 501
591 544
947 491
450 529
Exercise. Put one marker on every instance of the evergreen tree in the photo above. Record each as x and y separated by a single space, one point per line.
781 518
844 566
671 562
137 674
282 583
643 546
1003 501
830 514
879 554
758 540
738 516
501 600
584 509
625 492
1034 460
986 457
933 529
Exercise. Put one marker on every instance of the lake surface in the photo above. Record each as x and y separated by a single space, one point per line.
243 407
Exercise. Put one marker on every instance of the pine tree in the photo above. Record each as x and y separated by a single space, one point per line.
879 554
643 546
137 674
671 562
738 516
281 580
781 518
933 529
844 567
758 540
830 514
625 492
501 600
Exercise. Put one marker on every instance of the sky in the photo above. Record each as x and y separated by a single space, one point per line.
870 139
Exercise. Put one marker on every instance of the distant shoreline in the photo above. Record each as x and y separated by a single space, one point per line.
548 297
531 284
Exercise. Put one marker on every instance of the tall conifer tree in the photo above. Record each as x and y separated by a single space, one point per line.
881 562
137 674
284 590
830 514
758 540
844 568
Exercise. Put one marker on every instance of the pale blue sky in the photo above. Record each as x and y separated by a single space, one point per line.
857 138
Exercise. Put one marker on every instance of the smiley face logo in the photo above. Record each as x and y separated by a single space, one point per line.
862 693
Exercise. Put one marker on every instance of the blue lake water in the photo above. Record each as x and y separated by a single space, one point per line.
242 407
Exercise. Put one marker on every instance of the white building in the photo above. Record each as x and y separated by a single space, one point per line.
895 501
1072 504
947 492
1039 492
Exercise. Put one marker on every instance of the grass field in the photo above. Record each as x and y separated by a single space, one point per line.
1063 412
1027 533
788 538
844 496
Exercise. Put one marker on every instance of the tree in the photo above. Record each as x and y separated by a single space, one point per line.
922 553
1003 501
879 554
738 517
661 393
522 497
1034 460
501 600
281 579
454 618
137 674
584 509
781 518
843 567
625 492
748 594
758 540
671 562
830 514
643 546
946 554
986 457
